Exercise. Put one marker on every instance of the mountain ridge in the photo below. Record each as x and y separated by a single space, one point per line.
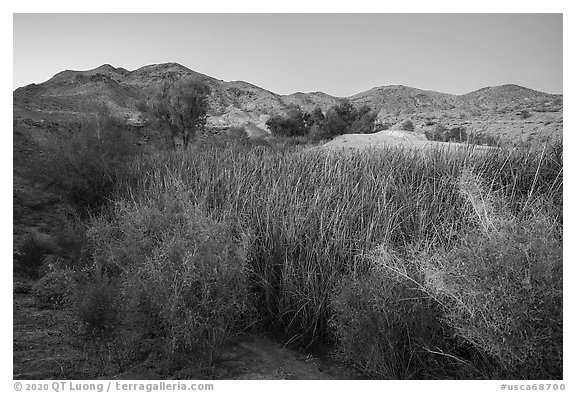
240 102
107 68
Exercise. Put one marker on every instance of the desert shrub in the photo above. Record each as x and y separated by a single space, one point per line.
503 294
55 287
458 134
295 123
384 324
51 263
183 275
98 305
236 137
181 107
332 125
443 134
364 120
436 133
30 256
483 138
70 237
487 304
343 118
84 165
381 125
501 286
237 132
407 125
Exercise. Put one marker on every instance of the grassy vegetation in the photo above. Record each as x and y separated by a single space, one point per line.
410 264
31 255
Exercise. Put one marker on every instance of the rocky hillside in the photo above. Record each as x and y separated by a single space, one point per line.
73 97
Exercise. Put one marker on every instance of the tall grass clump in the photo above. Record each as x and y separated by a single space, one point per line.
311 214
485 305
316 220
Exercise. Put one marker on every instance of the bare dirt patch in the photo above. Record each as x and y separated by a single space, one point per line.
45 348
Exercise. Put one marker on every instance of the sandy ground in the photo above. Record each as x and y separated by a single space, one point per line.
395 138
45 348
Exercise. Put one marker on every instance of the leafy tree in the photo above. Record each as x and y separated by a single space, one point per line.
340 119
189 108
345 119
181 108
443 134
333 124
316 120
437 133
364 122
345 110
158 113
455 134
295 123
317 116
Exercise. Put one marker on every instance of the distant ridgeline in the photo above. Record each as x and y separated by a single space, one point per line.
73 96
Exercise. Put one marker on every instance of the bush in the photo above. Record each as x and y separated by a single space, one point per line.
482 138
345 119
30 256
340 119
407 125
503 294
84 165
98 305
437 133
364 122
501 287
487 306
383 323
183 275
71 239
50 264
181 107
295 123
455 134
55 288
237 132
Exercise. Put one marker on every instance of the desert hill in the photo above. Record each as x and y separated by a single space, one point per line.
72 97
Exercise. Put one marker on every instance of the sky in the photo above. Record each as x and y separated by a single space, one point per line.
339 54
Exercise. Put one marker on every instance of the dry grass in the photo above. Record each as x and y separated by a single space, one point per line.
316 230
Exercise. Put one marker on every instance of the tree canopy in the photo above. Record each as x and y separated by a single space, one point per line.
181 107
343 118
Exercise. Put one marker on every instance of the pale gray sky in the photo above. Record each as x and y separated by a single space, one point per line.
340 54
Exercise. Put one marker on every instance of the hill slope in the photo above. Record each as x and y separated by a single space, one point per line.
74 96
